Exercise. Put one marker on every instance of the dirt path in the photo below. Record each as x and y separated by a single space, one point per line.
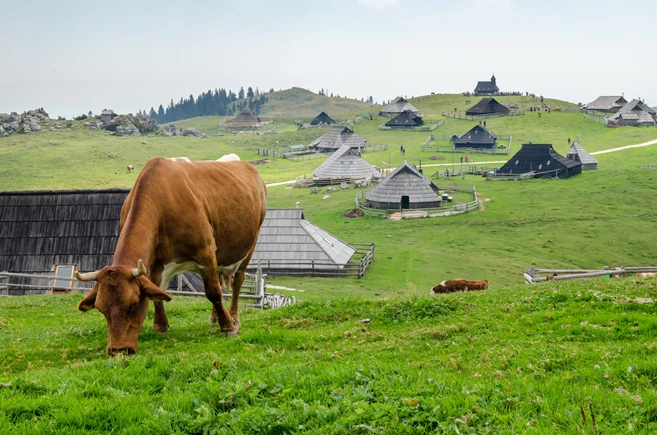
639 145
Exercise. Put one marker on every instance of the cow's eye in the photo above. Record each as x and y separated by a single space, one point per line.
133 308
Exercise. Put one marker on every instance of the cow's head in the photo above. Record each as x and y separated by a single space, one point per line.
121 294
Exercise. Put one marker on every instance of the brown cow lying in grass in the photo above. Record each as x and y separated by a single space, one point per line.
460 285
647 274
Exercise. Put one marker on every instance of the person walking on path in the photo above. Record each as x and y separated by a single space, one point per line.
568 140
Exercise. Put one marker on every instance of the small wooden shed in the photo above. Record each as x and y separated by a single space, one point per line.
322 119
398 106
487 106
541 160
477 137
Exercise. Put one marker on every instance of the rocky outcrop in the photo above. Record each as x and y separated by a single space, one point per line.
26 122
172 130
131 125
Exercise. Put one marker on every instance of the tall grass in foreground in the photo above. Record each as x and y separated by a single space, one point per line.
530 359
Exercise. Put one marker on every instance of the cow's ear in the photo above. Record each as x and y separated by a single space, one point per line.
88 303
151 291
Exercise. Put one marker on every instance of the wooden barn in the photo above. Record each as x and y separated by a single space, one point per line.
335 138
404 188
398 106
634 113
47 232
487 107
405 121
606 104
246 119
477 137
579 154
487 87
345 164
41 231
541 160
322 119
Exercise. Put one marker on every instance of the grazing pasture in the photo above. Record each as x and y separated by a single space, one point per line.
516 358
525 359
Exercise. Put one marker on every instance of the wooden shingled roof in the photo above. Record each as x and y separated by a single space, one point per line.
607 103
476 136
322 118
487 106
406 119
541 159
336 137
245 118
288 241
404 181
41 229
634 113
345 162
398 106
578 153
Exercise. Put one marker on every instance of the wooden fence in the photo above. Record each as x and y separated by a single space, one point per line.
427 146
597 118
460 114
253 289
286 153
532 275
431 127
361 203
356 267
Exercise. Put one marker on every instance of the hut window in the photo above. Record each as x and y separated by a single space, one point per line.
63 271
540 167
517 161
548 163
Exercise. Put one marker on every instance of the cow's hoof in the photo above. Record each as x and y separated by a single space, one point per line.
160 328
232 332
214 320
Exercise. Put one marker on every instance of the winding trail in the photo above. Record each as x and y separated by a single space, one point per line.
639 145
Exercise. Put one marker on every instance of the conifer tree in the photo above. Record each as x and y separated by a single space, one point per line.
240 94
249 92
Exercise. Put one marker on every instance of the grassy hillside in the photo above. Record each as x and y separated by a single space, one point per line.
529 359
298 102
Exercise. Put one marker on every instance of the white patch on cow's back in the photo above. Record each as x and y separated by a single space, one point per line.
182 159
173 269
229 158
442 283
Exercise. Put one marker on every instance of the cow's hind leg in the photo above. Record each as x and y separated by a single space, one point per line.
213 293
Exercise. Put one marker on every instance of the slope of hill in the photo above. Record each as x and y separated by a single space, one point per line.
297 102
526 359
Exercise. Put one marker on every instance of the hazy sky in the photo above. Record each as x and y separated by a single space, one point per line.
70 57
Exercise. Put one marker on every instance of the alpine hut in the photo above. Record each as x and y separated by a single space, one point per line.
607 104
541 160
48 232
405 120
395 108
476 137
107 115
60 232
634 113
290 245
579 154
322 119
487 88
487 107
335 138
404 188
344 164
246 119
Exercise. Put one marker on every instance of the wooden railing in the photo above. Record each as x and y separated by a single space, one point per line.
361 203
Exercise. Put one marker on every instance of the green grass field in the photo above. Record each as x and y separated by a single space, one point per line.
512 359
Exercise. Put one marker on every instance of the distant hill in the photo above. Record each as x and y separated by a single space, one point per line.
303 103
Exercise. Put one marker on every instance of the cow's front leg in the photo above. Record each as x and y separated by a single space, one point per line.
160 321
219 313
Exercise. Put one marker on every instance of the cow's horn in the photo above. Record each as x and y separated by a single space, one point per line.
140 270
89 276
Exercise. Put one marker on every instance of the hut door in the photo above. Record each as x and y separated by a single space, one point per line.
405 202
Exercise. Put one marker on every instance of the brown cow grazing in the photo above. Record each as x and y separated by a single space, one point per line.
647 274
131 168
450 286
460 285
480 284
181 216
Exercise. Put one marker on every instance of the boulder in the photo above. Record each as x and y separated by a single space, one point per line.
190 132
